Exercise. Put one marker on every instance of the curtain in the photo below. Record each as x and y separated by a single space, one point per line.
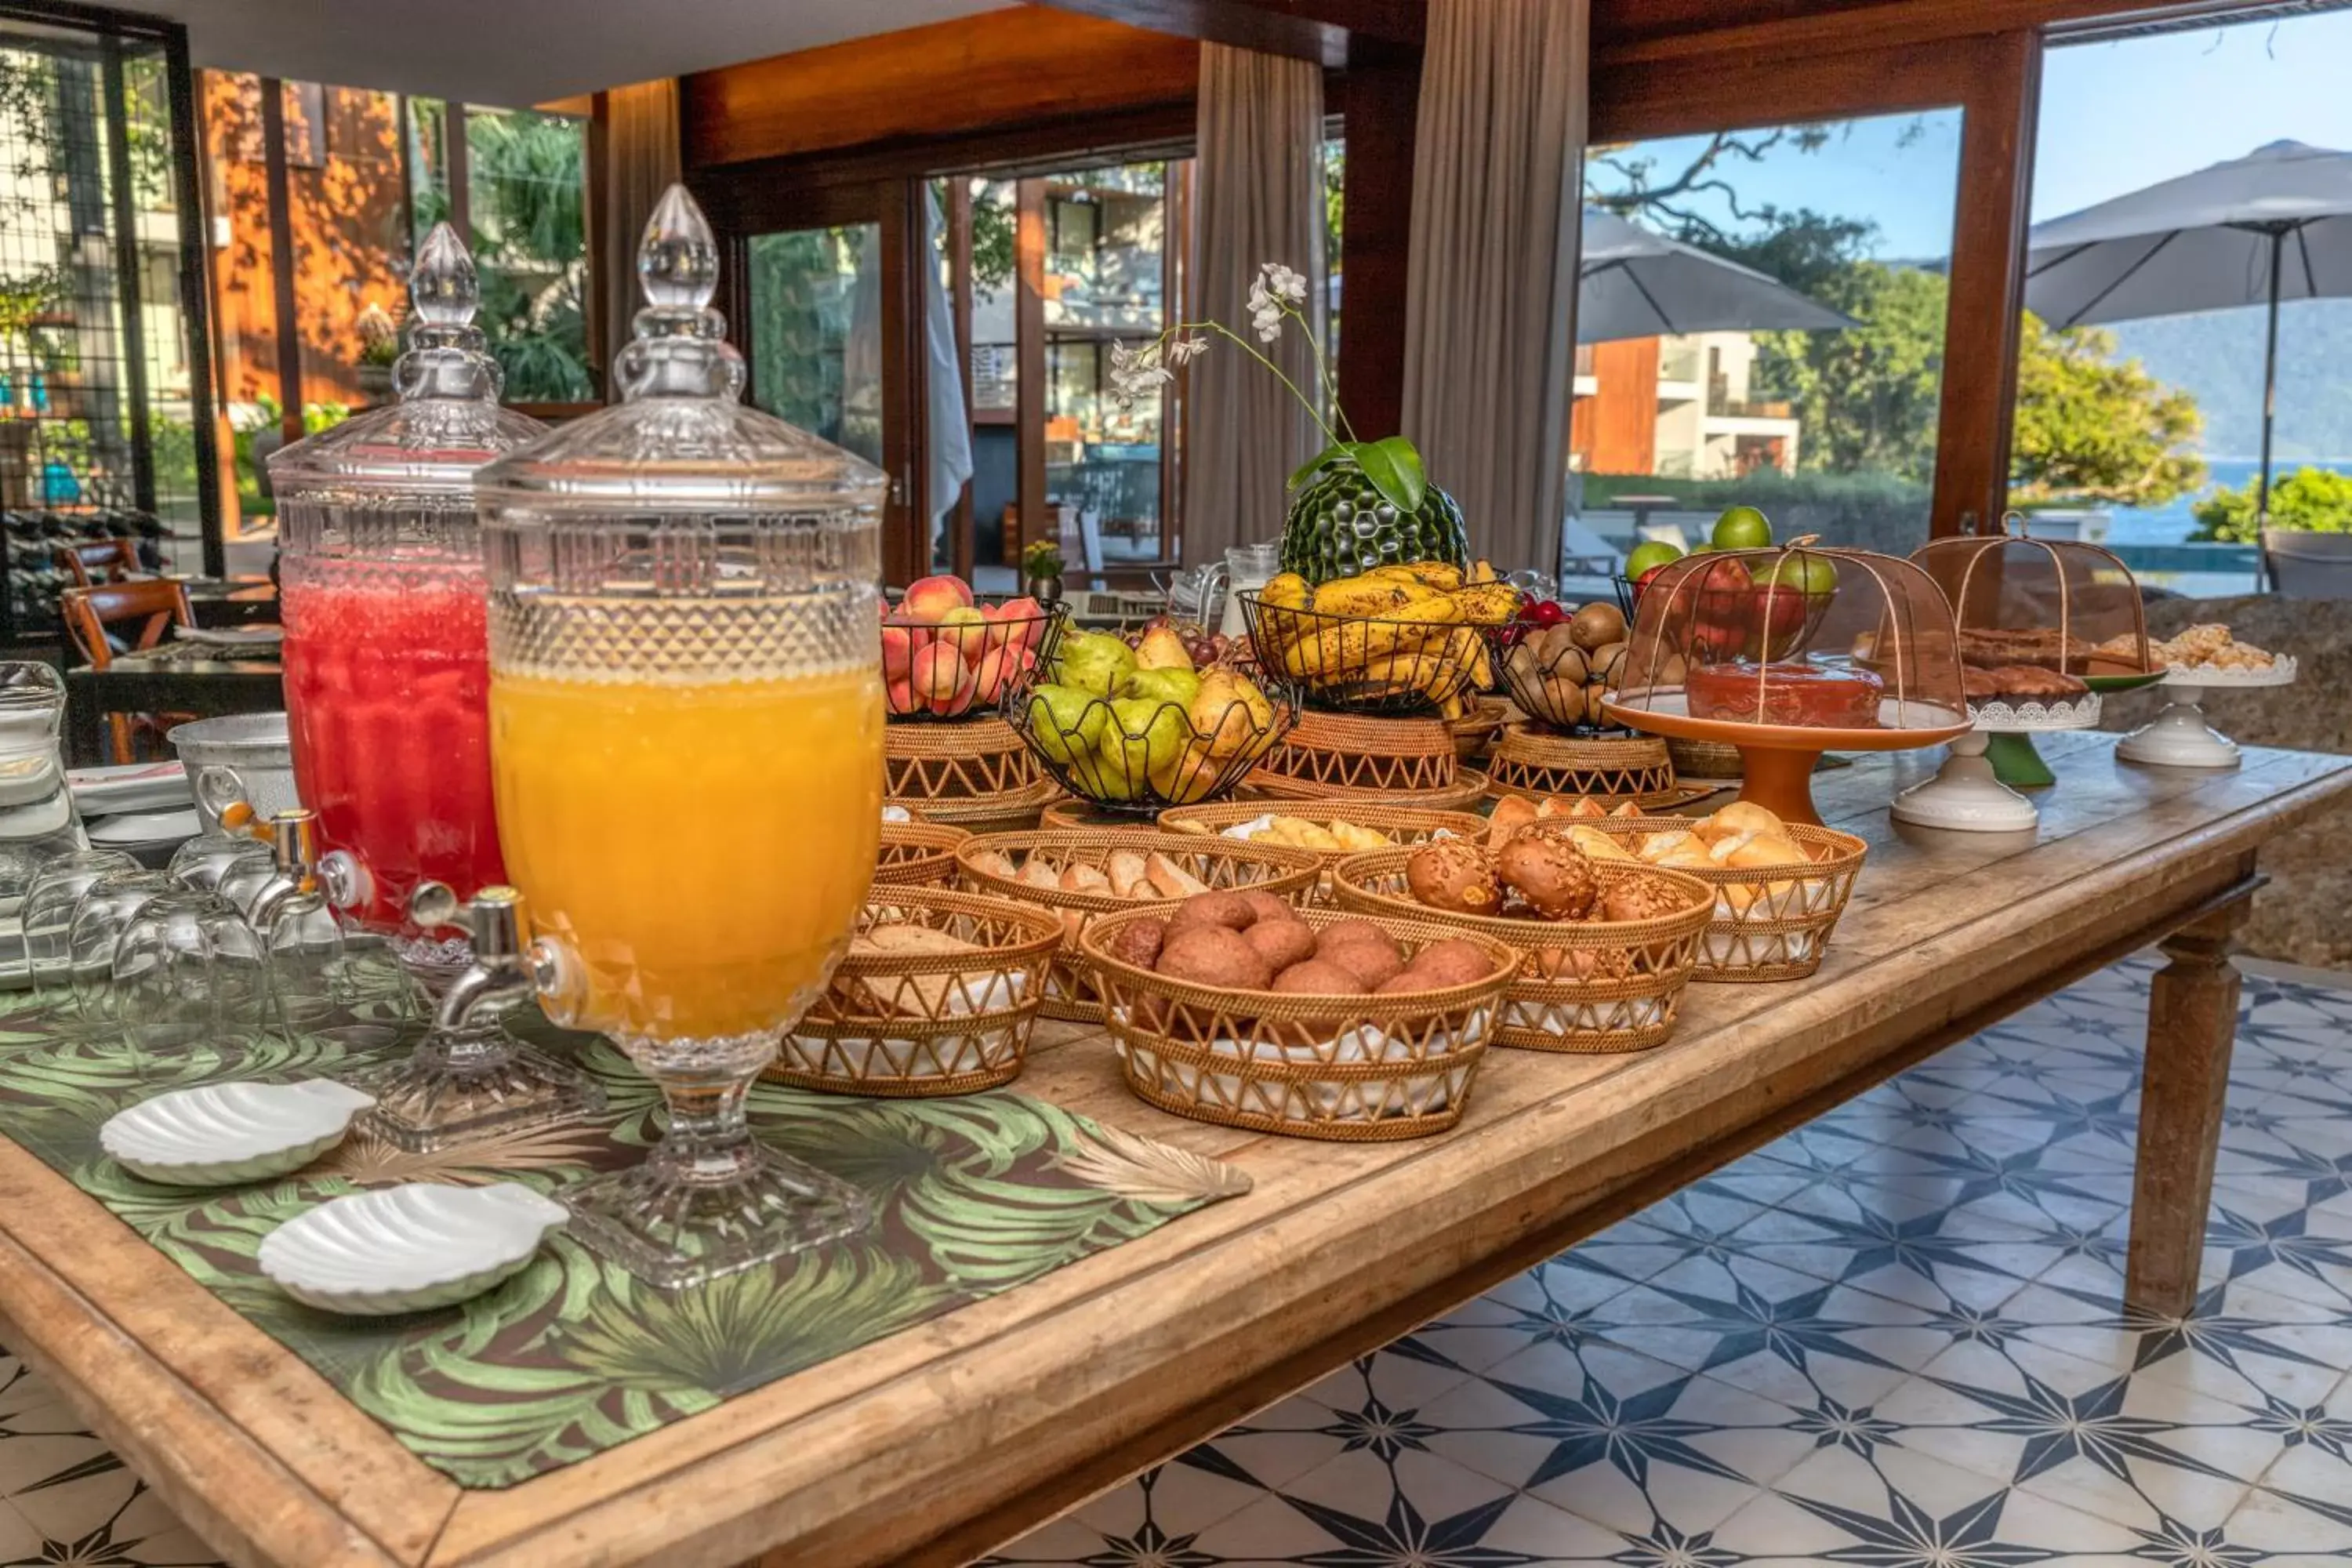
1258 198
641 162
947 424
1491 286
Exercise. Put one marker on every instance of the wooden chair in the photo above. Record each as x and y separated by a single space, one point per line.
156 605
99 561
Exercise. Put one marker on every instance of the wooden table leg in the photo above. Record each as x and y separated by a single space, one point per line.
2192 1021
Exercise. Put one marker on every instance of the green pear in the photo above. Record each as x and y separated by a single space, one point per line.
1096 661
1143 734
1161 648
1177 686
1064 720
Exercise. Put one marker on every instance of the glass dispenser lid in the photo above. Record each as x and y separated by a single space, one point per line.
683 440
446 423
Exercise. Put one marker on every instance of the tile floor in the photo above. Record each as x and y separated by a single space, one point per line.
1892 1339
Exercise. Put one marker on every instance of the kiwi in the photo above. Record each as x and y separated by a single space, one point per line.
1597 625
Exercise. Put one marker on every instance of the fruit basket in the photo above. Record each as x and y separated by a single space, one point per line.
1770 922
1020 864
1559 669
948 657
1356 827
1583 986
1140 754
1396 641
916 853
937 996
1357 1068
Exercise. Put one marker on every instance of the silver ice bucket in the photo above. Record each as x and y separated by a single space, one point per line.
246 756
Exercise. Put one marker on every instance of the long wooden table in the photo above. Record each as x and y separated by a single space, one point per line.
944 1441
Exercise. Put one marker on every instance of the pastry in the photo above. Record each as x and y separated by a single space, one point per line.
1806 696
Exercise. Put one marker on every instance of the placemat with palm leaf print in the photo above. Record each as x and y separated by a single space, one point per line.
976 1196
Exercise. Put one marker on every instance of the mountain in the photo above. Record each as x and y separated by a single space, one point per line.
2217 356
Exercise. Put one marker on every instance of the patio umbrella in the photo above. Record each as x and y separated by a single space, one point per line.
1633 283
2272 225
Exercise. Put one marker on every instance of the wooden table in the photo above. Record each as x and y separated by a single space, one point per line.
136 683
946 1440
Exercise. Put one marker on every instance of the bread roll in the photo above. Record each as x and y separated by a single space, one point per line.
1739 816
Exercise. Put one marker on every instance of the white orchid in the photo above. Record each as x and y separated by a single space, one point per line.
1275 291
1135 372
1286 285
1184 351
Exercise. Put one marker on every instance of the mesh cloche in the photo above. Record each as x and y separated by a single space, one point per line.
2035 616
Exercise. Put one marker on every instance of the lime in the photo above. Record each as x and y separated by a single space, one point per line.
1741 528
1812 575
1654 552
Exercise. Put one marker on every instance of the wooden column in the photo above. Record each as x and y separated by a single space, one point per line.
2192 1021
279 187
1380 100
1980 326
1029 360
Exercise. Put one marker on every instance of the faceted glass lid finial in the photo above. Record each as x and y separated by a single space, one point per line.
678 260
442 286
681 348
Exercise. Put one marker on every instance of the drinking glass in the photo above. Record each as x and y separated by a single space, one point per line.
49 911
105 913
683 622
188 970
204 862
37 819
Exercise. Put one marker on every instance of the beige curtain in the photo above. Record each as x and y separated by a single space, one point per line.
1491 292
1258 198
641 162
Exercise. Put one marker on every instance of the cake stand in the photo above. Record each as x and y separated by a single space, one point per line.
2015 761
1968 794
1777 760
2180 736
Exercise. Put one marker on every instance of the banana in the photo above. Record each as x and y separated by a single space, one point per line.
1482 572
1287 592
1428 574
1487 604
1366 595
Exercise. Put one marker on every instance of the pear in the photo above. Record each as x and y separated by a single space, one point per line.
1164 685
1065 721
1229 711
1098 662
1189 777
1161 648
1143 734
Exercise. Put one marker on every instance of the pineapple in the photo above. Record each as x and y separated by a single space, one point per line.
1339 525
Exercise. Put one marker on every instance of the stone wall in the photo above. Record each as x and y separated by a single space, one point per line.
2304 916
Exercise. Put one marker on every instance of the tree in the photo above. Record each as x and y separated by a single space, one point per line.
2092 427
2309 500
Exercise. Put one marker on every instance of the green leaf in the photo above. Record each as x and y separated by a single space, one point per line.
1306 470
1394 468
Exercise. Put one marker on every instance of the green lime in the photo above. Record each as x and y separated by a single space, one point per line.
1741 528
1654 552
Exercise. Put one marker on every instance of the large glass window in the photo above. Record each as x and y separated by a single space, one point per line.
1760 320
816 332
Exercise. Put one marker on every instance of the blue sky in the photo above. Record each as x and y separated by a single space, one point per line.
2114 117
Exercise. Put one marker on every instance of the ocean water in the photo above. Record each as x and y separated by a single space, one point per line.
2171 524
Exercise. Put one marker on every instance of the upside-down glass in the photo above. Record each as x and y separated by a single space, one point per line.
188 970
686 731
105 913
386 690
49 905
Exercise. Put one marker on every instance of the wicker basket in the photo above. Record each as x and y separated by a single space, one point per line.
915 854
907 1025
1008 813
1704 759
1468 790
1419 668
1334 753
1220 862
1401 823
1350 1069
1635 970
930 766
1474 733
1768 925
1532 761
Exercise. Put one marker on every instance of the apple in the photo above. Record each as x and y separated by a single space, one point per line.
1725 608
1741 528
1648 556
1815 576
940 679
928 599
898 652
1642 583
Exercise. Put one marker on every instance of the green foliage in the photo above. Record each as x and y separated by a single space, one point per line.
2308 501
1866 396
992 224
531 248
2092 427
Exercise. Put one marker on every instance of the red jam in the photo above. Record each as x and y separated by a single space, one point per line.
1808 696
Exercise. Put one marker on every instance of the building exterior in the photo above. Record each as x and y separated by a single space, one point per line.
1678 408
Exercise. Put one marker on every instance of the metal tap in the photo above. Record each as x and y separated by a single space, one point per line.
295 848
506 970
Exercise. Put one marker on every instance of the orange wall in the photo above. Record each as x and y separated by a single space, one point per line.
1615 430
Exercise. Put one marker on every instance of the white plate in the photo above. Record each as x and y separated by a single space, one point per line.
145 826
231 636
129 786
222 1133
2280 672
407 1248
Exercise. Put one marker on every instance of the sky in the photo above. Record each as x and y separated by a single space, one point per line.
2114 117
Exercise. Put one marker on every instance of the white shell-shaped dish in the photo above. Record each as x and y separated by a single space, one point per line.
222 1133
407 1248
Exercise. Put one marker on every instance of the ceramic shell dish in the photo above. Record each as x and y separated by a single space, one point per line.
407 1248
222 1133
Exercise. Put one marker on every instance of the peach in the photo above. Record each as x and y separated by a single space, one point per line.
940 679
1018 611
897 697
930 599
898 652
965 628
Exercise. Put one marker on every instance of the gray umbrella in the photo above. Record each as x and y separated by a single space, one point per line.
1636 284
2275 224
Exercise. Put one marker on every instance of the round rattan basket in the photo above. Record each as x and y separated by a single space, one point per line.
1397 823
1007 812
1530 760
910 1025
1583 986
1339 753
914 854
1769 925
1070 993
1469 787
1703 759
942 765
1348 1068
1474 733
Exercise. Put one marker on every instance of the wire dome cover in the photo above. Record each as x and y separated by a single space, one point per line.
2038 617
1793 638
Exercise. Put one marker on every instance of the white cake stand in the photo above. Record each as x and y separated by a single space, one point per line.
2180 737
1964 795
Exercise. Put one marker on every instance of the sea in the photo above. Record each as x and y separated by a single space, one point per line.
2173 523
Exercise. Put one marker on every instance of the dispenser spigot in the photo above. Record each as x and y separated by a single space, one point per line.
507 967
294 845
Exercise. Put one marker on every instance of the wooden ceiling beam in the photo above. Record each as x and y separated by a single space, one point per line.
1318 30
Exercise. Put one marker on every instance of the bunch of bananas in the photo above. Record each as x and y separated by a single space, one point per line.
1412 627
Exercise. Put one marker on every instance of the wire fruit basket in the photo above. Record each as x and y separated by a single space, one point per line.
1139 756
945 671
1384 666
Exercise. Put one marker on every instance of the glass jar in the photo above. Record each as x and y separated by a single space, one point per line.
38 823
686 735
